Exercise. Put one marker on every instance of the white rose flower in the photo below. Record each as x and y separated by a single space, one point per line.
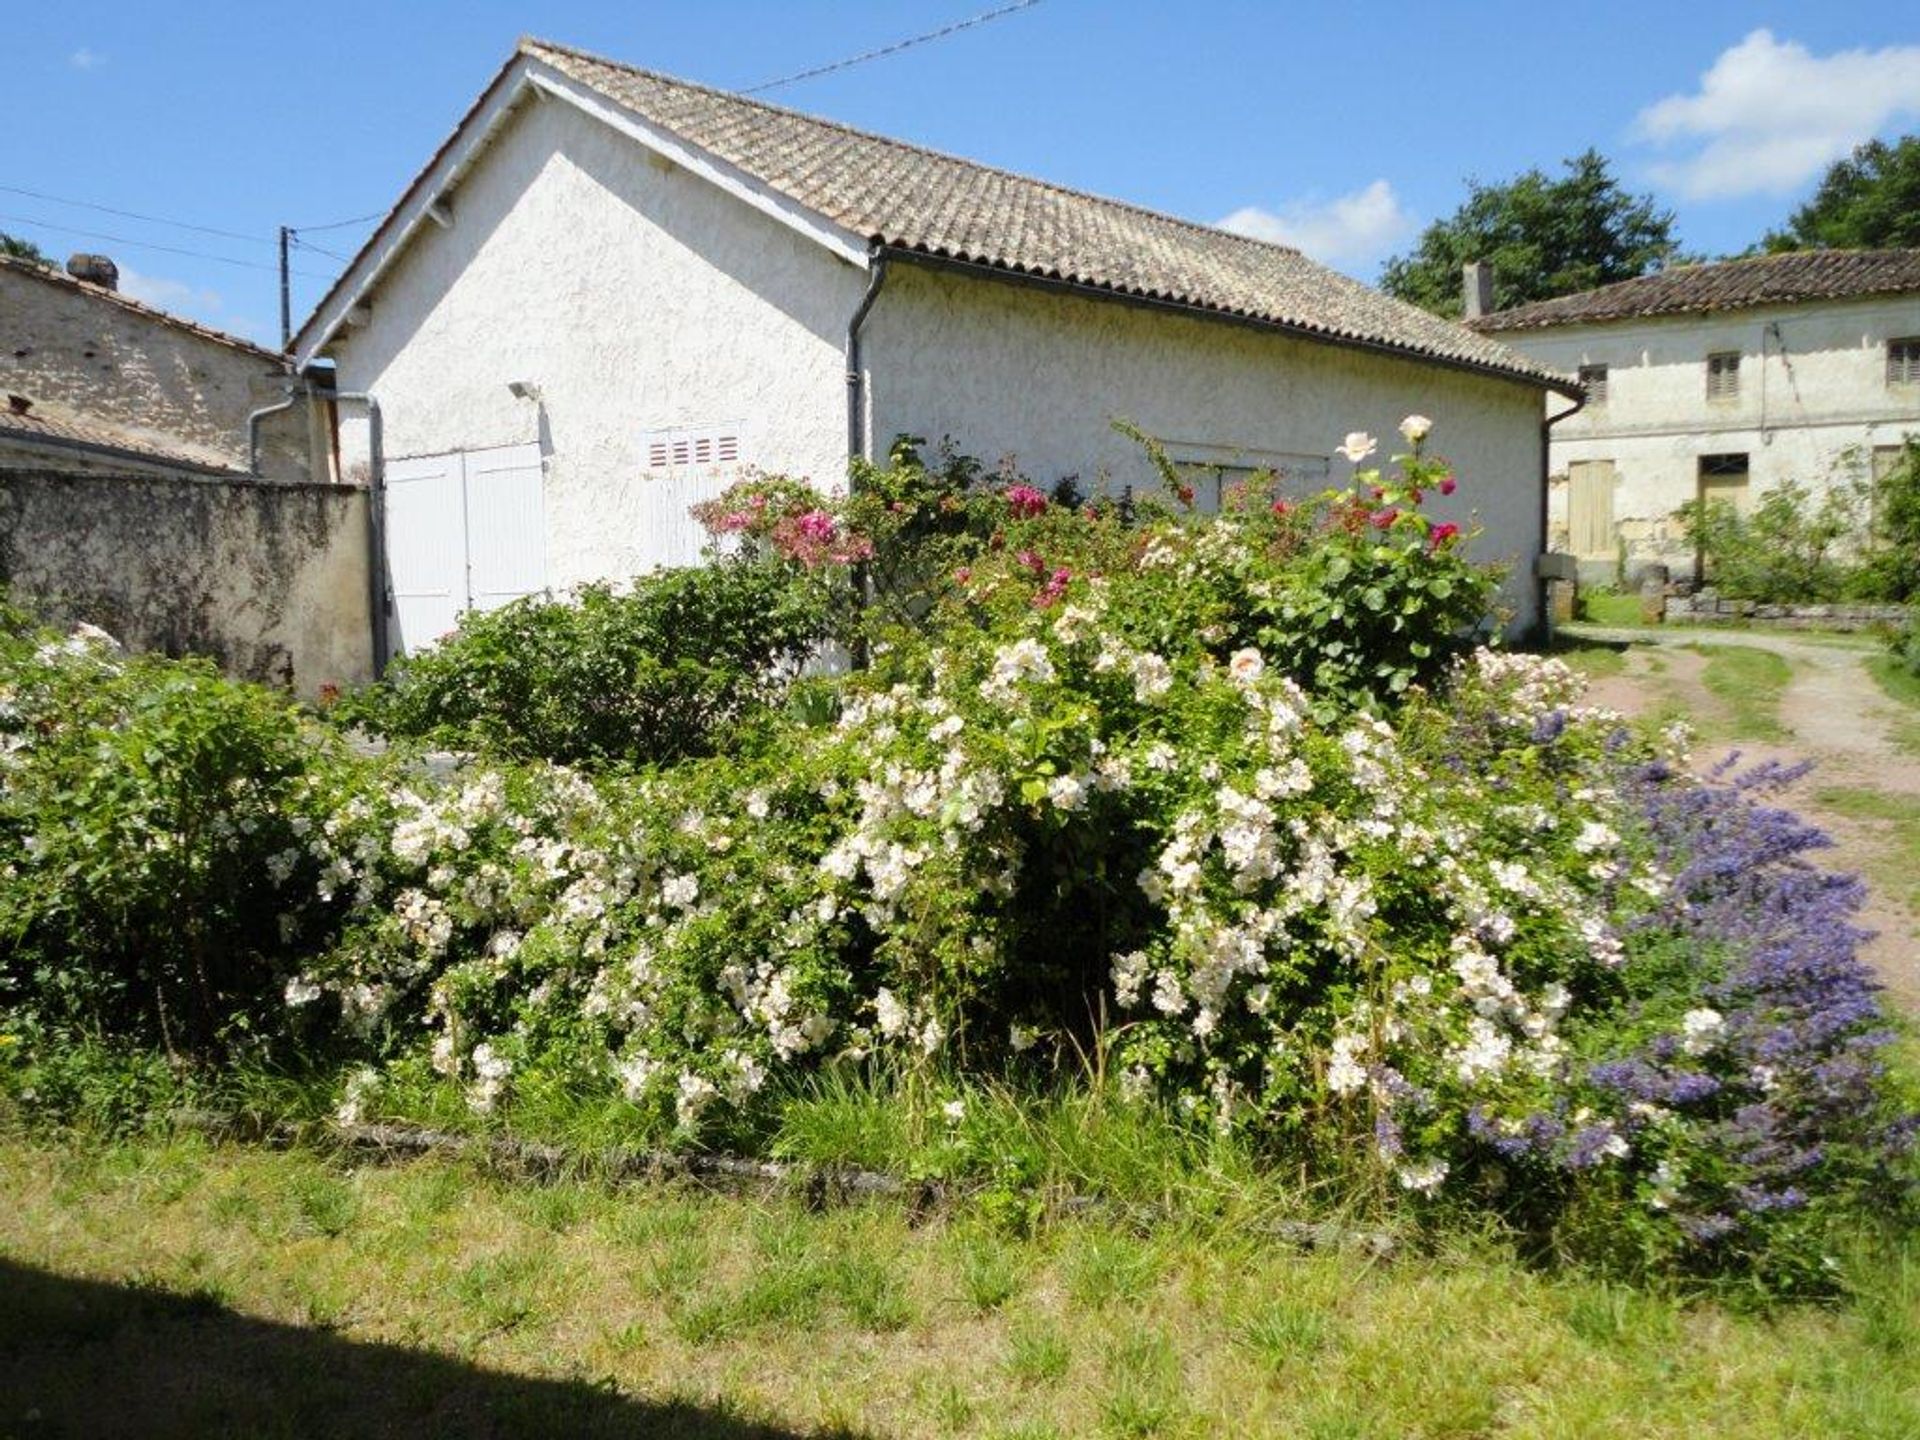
1247 665
1359 445
1415 428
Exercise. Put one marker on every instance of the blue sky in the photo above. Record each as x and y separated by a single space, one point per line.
1342 128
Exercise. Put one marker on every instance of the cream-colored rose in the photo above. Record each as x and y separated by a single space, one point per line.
1359 445
1415 428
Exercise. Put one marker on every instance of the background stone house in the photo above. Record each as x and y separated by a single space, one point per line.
129 498
611 293
1720 381
95 377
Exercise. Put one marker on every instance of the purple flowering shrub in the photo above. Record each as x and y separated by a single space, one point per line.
1727 1102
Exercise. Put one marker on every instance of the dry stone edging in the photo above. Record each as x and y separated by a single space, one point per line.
819 1186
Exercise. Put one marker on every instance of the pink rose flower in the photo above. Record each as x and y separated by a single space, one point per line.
1025 501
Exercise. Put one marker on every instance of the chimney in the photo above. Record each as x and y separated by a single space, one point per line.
1478 285
95 270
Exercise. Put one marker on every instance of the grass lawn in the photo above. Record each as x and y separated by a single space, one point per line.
1903 685
1591 658
1748 683
1609 607
184 1288
1898 866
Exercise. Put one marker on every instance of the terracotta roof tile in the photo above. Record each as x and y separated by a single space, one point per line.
917 200
1783 279
914 199
75 432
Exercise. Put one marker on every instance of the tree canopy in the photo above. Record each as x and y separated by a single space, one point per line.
1544 236
1868 201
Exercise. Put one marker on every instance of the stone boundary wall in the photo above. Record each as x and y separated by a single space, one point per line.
1705 608
269 579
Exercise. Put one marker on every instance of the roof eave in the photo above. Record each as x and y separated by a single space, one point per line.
1007 274
524 75
35 440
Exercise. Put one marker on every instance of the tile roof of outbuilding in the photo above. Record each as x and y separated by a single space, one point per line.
84 433
1788 278
910 199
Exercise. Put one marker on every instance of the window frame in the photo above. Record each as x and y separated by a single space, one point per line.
1723 374
1903 360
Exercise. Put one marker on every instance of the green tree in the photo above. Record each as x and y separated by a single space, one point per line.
15 248
1868 201
1543 236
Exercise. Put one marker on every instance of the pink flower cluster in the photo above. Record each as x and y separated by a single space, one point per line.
1055 587
1025 501
815 538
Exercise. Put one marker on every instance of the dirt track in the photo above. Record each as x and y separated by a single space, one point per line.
1841 720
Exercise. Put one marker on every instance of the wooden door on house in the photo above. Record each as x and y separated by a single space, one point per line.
464 531
1590 508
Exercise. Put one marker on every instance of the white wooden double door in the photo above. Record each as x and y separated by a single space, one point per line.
464 531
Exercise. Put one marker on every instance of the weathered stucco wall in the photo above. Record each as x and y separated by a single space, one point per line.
636 297
1814 401
268 579
1011 371
73 348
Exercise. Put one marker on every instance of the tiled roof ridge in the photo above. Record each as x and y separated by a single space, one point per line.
55 276
1585 306
531 44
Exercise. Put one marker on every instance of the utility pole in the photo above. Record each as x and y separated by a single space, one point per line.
286 290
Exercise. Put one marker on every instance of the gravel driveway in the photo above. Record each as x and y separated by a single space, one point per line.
1838 718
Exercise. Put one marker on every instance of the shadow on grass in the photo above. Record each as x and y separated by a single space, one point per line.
82 1358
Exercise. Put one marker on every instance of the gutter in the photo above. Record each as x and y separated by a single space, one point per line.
1059 285
299 389
856 382
376 527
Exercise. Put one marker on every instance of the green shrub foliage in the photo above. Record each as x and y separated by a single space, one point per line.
1859 539
1229 810
653 672
154 821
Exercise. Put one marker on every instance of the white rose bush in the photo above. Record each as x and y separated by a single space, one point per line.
1240 816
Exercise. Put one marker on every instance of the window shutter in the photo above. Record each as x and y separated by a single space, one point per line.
692 448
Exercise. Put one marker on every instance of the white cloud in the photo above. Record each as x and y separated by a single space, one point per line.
1769 114
174 295
1350 231
85 59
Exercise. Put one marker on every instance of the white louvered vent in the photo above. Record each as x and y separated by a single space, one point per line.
692 447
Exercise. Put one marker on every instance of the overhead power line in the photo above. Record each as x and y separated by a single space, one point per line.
151 245
177 224
136 215
358 219
893 49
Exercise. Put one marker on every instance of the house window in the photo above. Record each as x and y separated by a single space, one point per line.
690 447
1594 379
1723 375
1721 478
1903 361
1724 477
1213 478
